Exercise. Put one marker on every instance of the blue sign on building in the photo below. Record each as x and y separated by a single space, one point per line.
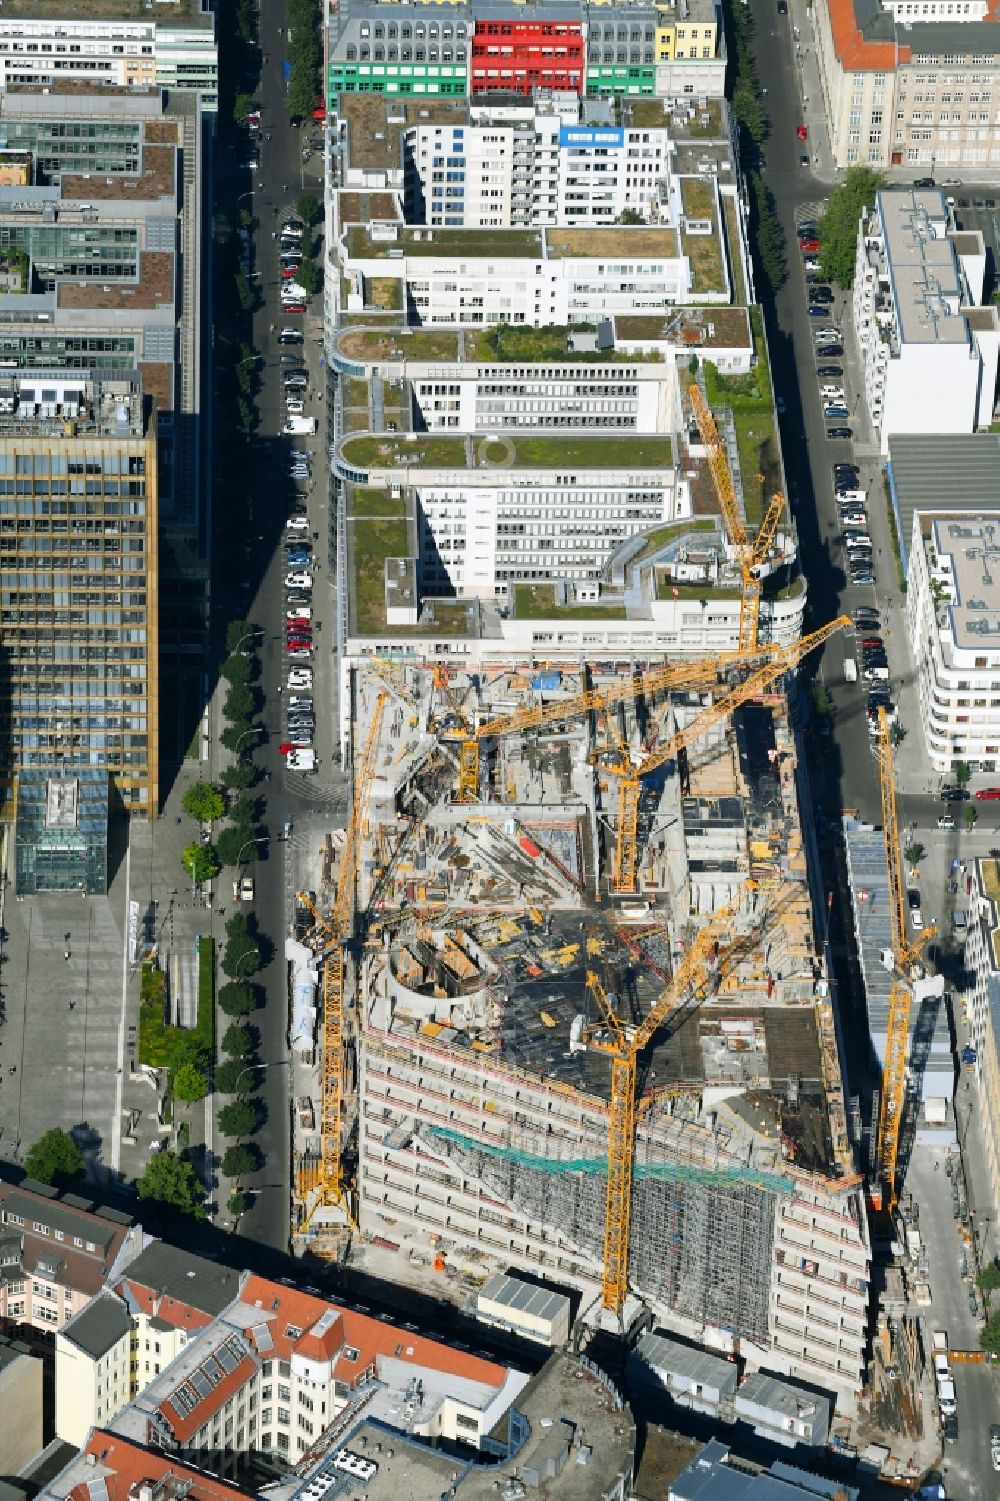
588 137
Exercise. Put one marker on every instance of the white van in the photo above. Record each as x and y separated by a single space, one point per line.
296 426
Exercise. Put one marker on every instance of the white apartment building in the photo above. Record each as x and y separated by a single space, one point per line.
930 350
172 47
953 616
560 161
982 1001
536 277
93 1367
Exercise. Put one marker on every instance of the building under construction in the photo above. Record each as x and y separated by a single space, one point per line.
504 951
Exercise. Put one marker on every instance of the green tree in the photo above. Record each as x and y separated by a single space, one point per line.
238 1000
988 1279
301 95
896 733
245 292
962 772
200 862
237 926
237 1119
309 209
239 1160
749 110
630 216
241 957
238 1040
242 105
240 703
990 1337
242 636
245 813
838 226
55 1159
203 802
187 1050
239 670
238 1204
238 778
233 1077
766 233
170 1182
190 1083
914 852
235 846
239 734
970 816
308 276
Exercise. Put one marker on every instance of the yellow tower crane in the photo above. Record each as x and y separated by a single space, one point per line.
904 958
697 674
694 975
750 556
779 660
326 1190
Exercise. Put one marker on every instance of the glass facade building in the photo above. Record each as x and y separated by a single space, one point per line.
78 581
61 833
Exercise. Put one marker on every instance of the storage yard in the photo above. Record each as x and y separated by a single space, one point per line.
498 978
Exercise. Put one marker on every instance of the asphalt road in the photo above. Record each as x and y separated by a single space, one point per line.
845 774
250 579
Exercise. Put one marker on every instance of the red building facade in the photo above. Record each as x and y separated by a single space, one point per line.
516 57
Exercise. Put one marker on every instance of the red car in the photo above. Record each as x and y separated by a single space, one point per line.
319 113
801 132
808 246
293 307
988 794
288 272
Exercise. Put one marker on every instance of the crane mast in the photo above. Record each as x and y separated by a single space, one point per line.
750 556
904 957
780 659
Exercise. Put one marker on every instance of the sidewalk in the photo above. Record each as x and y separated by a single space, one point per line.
811 100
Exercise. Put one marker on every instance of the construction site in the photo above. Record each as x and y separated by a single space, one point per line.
573 981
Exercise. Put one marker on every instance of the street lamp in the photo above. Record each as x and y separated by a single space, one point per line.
255 729
257 839
258 630
253 953
246 361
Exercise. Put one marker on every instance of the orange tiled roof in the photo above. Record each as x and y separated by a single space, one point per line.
185 1425
287 1308
128 1464
855 54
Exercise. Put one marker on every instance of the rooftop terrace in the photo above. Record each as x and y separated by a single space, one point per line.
433 451
631 243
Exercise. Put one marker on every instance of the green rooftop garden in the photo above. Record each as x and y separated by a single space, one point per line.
369 501
387 450
354 391
512 344
399 343
385 292
374 541
705 255
697 198
538 602
446 243
733 238
669 588
434 450
662 535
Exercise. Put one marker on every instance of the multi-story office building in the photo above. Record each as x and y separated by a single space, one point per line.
132 48
111 228
78 578
910 84
953 616
456 50
930 348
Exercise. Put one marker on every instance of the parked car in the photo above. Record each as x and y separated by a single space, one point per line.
839 432
815 310
951 794
811 265
298 580
809 246
297 524
290 336
946 821
988 794
830 370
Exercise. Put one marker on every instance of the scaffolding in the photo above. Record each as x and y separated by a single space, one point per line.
702 1242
